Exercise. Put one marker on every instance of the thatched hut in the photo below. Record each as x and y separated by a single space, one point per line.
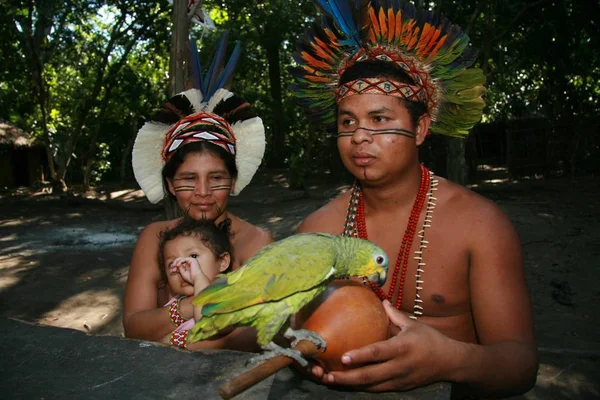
21 157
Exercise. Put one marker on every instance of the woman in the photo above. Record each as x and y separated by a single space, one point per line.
200 147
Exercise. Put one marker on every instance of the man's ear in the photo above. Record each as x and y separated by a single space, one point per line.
170 186
422 128
224 262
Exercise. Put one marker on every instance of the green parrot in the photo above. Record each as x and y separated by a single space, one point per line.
278 281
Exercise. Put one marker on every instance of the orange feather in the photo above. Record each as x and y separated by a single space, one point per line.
317 79
332 38
382 23
321 51
432 43
324 46
313 62
439 46
425 38
407 29
414 39
374 23
398 25
392 24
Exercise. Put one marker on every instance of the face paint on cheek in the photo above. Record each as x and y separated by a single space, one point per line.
221 187
183 188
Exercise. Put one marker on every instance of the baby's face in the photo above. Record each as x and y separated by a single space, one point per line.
188 246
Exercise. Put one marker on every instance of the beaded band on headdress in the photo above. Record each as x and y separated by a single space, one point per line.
207 113
433 53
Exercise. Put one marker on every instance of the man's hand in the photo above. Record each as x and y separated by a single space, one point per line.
418 355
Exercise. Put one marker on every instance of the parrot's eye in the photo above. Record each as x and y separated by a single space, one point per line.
194 255
379 260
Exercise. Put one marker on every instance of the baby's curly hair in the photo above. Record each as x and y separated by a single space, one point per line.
216 239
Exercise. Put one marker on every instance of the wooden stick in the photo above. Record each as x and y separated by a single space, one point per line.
262 371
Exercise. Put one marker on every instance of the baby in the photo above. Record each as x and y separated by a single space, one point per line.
192 254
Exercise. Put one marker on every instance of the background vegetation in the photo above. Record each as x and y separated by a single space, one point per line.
81 76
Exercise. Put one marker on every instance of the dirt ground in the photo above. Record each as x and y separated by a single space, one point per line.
64 261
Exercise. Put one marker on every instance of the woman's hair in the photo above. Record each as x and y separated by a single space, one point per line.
216 239
381 69
170 168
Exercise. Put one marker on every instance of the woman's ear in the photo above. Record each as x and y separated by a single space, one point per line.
170 186
422 128
224 262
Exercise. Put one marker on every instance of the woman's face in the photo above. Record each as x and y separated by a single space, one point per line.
202 185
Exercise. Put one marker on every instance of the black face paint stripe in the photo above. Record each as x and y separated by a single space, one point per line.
220 187
184 188
398 131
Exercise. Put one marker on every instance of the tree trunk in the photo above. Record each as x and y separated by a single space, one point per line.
177 74
125 156
34 36
456 162
278 129
179 43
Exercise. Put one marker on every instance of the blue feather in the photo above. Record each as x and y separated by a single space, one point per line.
215 66
343 15
229 68
195 66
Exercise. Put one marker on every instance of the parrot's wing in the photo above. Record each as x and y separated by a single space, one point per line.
296 264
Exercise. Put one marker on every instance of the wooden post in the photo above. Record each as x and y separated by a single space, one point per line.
179 43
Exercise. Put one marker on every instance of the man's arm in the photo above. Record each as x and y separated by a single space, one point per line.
506 359
142 318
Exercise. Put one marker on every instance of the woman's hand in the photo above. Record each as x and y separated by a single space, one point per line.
418 355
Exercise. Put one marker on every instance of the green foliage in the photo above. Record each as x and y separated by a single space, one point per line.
82 75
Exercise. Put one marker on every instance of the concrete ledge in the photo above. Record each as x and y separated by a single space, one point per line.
47 362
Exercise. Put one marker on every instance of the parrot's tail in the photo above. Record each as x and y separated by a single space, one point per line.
209 326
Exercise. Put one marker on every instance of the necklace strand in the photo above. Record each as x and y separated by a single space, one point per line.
355 225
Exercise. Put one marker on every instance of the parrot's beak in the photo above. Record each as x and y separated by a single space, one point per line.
378 277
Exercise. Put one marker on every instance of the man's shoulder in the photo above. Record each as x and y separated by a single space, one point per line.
329 218
462 204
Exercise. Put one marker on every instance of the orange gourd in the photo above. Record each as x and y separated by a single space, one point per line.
348 315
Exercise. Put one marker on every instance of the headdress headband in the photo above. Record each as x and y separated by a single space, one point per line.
207 113
434 53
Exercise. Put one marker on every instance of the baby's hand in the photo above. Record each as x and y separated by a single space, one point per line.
188 268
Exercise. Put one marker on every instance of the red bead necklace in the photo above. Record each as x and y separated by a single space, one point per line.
407 240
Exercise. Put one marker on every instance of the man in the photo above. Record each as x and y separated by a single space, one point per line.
458 291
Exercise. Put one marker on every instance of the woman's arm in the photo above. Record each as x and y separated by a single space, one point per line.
142 316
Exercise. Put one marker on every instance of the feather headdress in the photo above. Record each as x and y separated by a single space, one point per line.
435 54
206 113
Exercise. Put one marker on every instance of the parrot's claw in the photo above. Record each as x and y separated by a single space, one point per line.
274 350
305 334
